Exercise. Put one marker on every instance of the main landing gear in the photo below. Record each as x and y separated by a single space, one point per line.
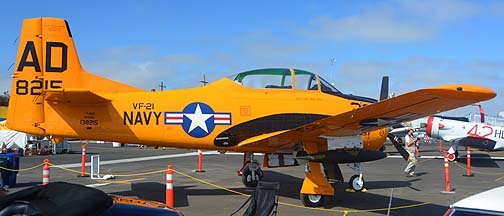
251 171
315 187
312 200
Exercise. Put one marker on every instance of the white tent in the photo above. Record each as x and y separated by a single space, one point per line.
12 139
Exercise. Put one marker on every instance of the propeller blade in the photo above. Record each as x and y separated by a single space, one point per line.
398 146
384 88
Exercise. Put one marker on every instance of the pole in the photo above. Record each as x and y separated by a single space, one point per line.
468 161
83 162
45 172
447 175
440 146
169 186
200 161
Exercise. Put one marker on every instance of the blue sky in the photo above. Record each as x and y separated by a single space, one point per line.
417 43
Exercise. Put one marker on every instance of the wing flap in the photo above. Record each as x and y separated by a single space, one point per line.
74 96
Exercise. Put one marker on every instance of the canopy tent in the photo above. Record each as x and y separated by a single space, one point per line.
12 139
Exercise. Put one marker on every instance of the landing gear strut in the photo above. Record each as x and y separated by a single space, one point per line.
357 181
251 171
316 187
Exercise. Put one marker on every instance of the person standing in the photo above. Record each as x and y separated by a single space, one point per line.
410 143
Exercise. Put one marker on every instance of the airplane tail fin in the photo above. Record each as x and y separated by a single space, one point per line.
47 61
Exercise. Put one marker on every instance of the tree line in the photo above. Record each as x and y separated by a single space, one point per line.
4 99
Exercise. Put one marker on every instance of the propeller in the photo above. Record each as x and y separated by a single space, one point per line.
384 88
398 146
384 94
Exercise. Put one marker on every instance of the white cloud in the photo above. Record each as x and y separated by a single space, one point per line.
496 8
408 74
264 44
372 27
127 52
439 11
181 59
392 21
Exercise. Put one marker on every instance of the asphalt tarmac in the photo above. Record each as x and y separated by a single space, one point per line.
140 173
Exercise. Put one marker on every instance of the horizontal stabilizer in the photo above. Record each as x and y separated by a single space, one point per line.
74 96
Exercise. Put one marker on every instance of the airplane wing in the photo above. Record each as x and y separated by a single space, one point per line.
74 96
385 113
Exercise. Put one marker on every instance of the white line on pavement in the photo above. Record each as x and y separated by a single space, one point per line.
217 153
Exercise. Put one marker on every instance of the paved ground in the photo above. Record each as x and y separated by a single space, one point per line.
196 198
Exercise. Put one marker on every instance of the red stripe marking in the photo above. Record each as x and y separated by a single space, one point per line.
215 118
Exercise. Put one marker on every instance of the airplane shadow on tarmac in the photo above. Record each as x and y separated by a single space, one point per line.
27 184
291 186
479 160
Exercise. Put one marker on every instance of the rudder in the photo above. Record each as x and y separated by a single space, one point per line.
47 60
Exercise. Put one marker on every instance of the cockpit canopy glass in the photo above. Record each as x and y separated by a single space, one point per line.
281 78
327 87
277 78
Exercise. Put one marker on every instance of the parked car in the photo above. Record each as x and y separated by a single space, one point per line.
489 202
68 199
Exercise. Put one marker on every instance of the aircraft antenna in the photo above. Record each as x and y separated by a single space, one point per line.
204 82
10 67
333 61
162 86
14 43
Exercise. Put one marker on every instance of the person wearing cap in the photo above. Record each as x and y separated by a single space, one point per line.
410 143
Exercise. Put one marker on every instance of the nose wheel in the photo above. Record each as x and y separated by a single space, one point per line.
356 183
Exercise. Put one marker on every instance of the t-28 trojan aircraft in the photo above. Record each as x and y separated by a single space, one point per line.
279 112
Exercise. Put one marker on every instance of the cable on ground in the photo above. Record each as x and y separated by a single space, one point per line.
20 170
345 212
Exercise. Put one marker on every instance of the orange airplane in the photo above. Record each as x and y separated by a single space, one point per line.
279 112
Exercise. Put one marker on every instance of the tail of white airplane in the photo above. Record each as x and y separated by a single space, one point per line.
46 63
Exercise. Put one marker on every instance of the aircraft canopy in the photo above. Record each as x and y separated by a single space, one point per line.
283 78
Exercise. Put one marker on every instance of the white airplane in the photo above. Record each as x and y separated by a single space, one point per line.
459 131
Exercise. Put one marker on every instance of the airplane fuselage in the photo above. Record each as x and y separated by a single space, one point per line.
483 136
198 117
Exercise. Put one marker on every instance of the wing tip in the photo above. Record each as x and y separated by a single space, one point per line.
468 91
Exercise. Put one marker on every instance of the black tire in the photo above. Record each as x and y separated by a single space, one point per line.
247 178
312 200
354 185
